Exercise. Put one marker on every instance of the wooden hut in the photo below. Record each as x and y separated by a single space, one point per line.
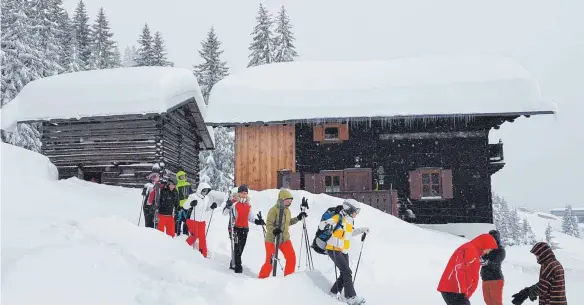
414 130
115 126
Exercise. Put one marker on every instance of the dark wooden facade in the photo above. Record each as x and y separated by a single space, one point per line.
123 149
443 165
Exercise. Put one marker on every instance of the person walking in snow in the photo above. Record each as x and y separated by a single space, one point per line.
460 278
199 203
551 287
491 272
148 203
183 188
338 246
272 230
169 205
241 213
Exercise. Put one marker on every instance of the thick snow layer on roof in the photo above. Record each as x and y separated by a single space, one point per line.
430 86
120 91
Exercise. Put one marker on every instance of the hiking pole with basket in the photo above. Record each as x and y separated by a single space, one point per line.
360 252
141 209
210 220
305 241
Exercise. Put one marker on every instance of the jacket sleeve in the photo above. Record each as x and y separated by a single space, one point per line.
460 272
293 221
251 216
358 231
271 220
208 209
471 270
545 281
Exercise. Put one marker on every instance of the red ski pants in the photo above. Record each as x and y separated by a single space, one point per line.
197 230
289 255
493 292
166 222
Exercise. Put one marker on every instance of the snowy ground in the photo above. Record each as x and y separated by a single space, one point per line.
74 242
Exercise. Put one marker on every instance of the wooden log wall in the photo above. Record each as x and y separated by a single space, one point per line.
261 151
180 145
102 145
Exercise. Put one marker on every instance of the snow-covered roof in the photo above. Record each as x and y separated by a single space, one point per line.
404 87
120 91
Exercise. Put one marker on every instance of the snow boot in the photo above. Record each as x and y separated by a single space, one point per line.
356 300
238 269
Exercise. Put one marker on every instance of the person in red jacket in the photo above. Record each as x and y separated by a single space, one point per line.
461 276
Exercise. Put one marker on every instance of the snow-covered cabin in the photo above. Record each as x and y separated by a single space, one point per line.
115 126
415 126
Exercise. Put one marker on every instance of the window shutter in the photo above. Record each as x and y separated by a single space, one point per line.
415 185
318 133
447 189
344 132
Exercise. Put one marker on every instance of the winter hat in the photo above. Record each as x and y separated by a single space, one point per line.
152 176
172 180
243 188
351 206
285 194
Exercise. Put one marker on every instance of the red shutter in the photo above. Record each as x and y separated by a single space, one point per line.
415 185
447 189
317 133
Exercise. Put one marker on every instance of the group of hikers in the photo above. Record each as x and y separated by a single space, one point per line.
171 202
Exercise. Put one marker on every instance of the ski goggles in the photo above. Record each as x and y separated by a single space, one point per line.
205 191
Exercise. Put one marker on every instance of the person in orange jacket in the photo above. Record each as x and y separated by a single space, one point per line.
460 279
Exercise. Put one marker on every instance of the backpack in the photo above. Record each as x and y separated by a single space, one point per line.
322 236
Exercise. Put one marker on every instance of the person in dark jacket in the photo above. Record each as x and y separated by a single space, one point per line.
148 204
168 206
551 287
491 273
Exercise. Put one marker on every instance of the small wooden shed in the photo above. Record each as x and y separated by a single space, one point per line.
115 126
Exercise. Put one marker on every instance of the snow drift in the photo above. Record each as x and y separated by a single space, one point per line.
75 242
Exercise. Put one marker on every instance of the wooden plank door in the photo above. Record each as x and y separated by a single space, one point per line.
358 179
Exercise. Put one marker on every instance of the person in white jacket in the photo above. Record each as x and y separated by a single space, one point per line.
338 247
199 203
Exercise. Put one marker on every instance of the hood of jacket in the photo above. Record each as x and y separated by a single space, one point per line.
497 237
543 252
484 241
202 186
181 182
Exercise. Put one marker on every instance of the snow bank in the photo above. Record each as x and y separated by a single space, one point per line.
425 86
120 91
36 166
78 244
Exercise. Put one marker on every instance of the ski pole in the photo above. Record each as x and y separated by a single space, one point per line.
211 219
141 209
360 252
302 241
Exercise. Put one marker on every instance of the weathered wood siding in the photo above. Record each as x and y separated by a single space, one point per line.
399 151
180 145
261 151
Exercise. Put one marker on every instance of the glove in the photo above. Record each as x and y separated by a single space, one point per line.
228 203
301 215
277 231
193 203
214 205
259 222
304 203
520 297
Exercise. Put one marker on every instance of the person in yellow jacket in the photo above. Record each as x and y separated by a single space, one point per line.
184 190
284 201
338 247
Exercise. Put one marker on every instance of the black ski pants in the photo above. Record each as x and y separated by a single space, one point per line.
149 212
240 235
345 279
455 298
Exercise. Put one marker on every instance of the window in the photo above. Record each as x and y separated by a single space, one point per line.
431 184
332 184
331 133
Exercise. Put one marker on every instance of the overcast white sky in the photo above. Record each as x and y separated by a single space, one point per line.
545 155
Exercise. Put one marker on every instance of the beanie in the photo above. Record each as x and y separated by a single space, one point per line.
243 188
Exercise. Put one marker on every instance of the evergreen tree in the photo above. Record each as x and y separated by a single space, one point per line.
549 238
103 47
75 64
130 55
159 52
218 164
528 235
82 33
514 227
283 43
48 35
65 35
212 70
145 51
262 46
502 223
117 58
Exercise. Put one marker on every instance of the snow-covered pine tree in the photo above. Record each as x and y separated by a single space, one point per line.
159 52
514 227
82 32
284 41
48 34
528 235
212 70
75 63
502 221
262 45
21 63
570 223
103 47
218 164
130 55
145 50
549 237
117 58
209 171
65 35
